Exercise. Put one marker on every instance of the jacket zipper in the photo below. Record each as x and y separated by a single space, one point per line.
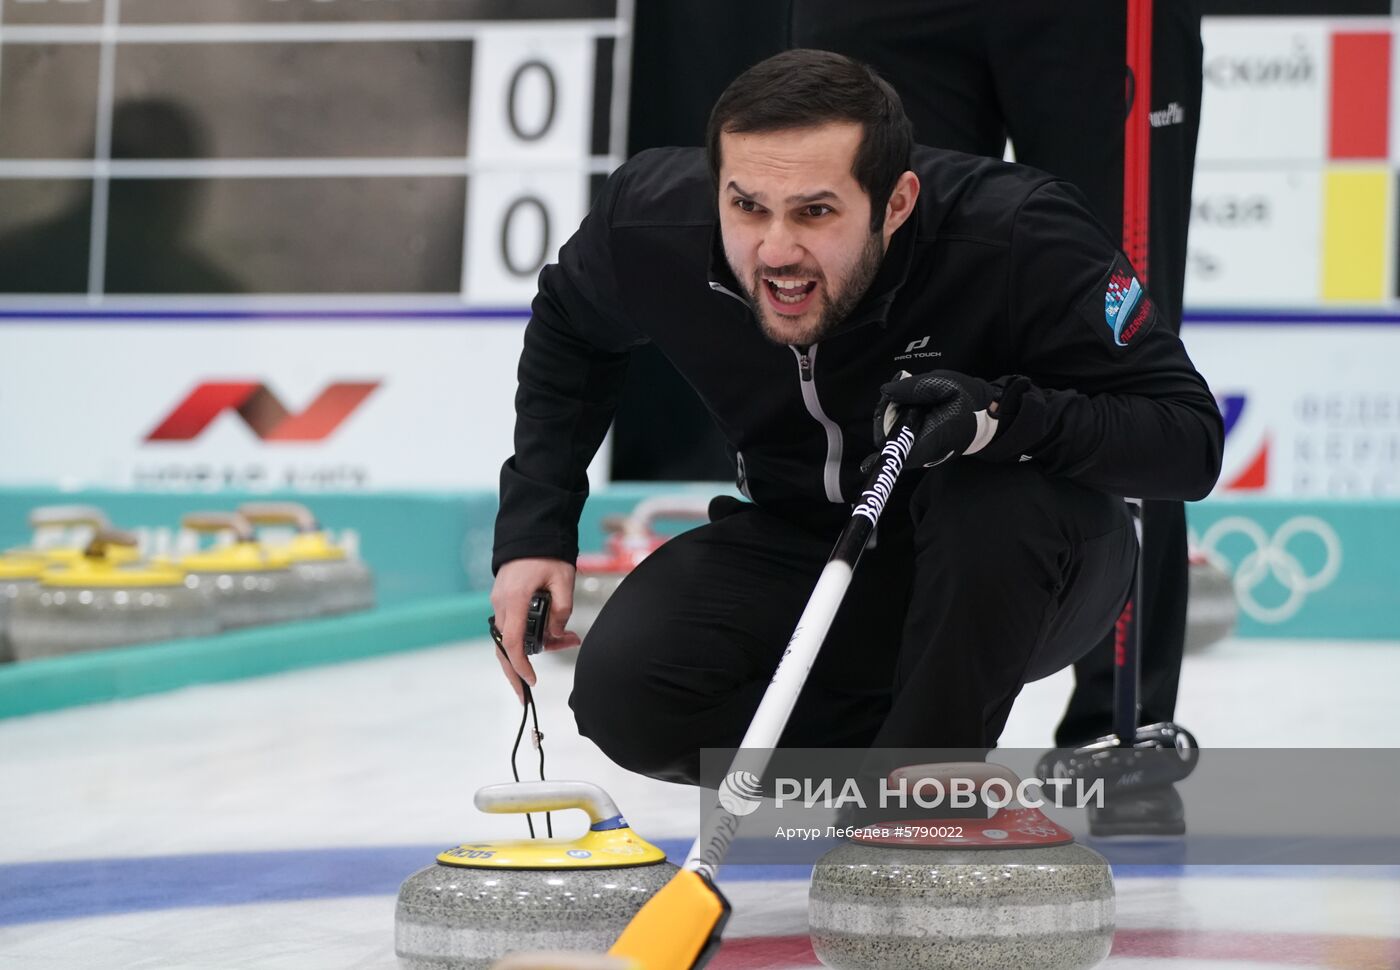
831 473
721 288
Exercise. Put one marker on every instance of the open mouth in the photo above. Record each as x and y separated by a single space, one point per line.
789 294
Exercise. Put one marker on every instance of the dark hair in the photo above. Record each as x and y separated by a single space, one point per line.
805 88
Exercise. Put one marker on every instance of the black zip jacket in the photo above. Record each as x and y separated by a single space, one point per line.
1002 273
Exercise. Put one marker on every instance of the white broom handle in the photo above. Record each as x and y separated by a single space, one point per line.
780 698
721 826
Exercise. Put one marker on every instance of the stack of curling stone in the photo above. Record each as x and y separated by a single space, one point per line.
1211 607
104 599
19 576
341 583
1012 890
62 533
630 539
247 585
483 900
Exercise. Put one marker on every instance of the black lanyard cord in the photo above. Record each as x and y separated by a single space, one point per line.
529 712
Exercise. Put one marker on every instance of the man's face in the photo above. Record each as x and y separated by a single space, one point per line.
796 227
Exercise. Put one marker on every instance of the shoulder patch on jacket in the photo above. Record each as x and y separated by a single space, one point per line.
1119 309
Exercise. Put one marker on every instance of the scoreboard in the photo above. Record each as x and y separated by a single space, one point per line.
286 243
222 147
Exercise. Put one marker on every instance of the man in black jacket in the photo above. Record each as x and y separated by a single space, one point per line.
817 254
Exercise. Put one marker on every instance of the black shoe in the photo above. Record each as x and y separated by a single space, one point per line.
1152 811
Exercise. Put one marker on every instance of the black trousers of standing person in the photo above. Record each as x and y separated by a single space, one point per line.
983 577
1051 77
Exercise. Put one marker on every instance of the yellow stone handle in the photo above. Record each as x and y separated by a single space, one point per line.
105 539
46 516
241 528
279 513
547 796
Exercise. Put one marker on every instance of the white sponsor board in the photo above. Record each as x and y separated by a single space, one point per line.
1255 238
1265 90
79 403
1313 411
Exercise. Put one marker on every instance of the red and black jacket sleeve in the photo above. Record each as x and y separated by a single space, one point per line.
1106 394
570 377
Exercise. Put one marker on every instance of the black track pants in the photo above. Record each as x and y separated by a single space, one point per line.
983 577
1050 76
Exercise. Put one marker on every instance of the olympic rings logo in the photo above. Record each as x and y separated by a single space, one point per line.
1271 557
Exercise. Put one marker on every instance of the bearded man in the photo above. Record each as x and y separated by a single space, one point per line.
808 255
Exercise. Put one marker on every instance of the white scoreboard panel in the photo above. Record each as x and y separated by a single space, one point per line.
295 196
1294 197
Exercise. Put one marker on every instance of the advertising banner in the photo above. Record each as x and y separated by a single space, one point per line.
1310 411
204 405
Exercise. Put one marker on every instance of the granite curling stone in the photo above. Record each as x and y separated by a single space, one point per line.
340 582
247 585
484 900
564 960
1012 890
1212 608
106 600
630 539
19 576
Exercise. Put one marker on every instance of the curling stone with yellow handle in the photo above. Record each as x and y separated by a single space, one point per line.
484 900
1011 890
19 576
66 525
342 582
247 585
62 534
105 600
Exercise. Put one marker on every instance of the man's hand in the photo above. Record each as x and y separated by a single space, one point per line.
959 414
516 582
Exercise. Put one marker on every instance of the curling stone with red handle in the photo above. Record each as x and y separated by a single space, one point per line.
1012 890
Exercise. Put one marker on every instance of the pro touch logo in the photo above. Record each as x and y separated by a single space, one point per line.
918 349
740 793
260 409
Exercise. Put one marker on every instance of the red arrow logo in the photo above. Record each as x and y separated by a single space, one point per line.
262 411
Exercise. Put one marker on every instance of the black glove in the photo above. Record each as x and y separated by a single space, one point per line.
959 414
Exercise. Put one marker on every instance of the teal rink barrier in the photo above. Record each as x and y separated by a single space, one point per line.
431 555
122 672
420 545
1316 570
1307 570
